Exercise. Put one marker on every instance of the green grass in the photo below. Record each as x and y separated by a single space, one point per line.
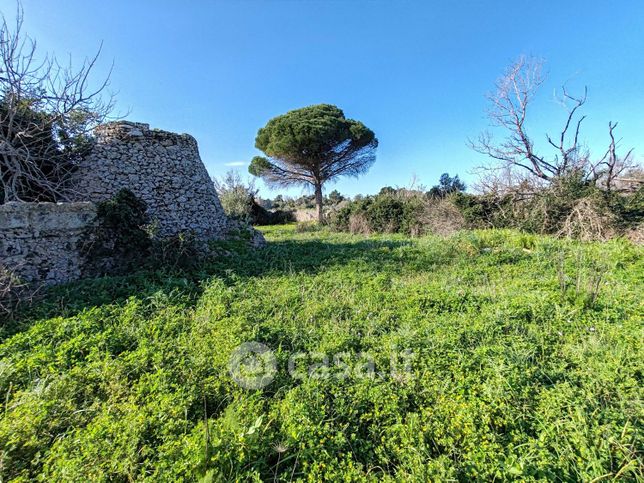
527 364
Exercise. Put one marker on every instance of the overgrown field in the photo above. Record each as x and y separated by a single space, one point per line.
523 359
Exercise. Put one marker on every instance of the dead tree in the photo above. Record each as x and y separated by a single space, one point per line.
611 166
509 105
47 112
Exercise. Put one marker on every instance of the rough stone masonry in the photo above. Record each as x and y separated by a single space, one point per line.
39 242
164 169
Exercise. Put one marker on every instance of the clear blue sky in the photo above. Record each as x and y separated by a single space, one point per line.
416 72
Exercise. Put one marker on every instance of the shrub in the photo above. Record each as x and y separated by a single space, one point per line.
339 219
261 216
178 252
570 206
124 240
587 221
358 224
440 217
236 197
121 240
548 209
485 211
385 214
628 208
238 201
396 211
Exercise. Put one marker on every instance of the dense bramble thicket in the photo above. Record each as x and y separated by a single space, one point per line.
570 207
528 365
569 203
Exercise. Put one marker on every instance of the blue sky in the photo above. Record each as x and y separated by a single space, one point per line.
415 72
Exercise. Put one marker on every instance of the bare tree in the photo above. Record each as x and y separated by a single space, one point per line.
509 105
47 112
504 180
611 166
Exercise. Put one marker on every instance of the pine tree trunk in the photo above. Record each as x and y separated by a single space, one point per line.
318 202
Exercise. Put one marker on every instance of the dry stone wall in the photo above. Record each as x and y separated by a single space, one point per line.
39 242
164 169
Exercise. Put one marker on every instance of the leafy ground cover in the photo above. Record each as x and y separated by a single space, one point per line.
523 360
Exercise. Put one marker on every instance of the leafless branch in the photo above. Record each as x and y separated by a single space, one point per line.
611 166
47 112
508 110
516 151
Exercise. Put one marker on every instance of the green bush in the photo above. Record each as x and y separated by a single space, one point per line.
339 219
629 208
548 209
570 206
384 213
238 201
485 211
262 217
125 240
121 240
179 252
236 197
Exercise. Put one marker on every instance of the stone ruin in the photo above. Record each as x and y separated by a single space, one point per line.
38 241
163 169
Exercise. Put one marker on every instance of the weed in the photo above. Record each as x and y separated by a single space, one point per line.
528 363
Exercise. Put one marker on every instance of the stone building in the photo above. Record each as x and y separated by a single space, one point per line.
162 168
39 242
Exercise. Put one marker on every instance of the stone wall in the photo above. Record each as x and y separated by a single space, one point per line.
304 215
39 242
163 169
